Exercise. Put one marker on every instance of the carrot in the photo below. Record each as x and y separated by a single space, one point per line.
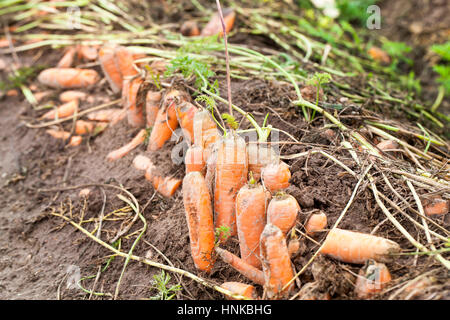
214 25
135 111
247 270
58 134
70 95
190 29
437 206
317 222
166 186
87 52
124 61
355 247
293 247
379 55
387 145
276 176
371 279
107 115
87 127
194 159
276 262
205 131
67 59
111 70
185 116
230 176
4 43
282 211
84 192
259 156
12 93
65 110
75 141
123 151
39 96
166 119
251 204
64 78
242 289
152 102
141 162
199 216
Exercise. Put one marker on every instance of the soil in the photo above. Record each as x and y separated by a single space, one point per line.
41 254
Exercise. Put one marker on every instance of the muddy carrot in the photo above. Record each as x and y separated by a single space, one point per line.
185 116
124 61
282 211
372 279
275 176
355 247
67 59
251 204
259 156
205 131
293 247
63 111
135 110
110 69
214 26
75 141
276 262
247 270
141 162
190 29
64 78
199 216
166 186
123 151
107 115
242 289
70 95
88 127
317 222
152 102
194 159
436 206
230 176
58 134
166 119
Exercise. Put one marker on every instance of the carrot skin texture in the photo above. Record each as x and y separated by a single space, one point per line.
63 111
199 216
135 111
205 132
65 78
185 116
123 151
251 205
276 262
166 186
230 175
75 141
247 270
283 211
58 134
276 176
239 288
317 222
194 159
106 57
259 156
124 60
67 59
152 102
107 115
356 247
70 95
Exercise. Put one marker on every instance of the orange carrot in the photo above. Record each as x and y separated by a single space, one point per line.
436 206
242 289
293 247
58 134
111 70
194 159
107 115
124 61
190 29
185 116
282 212
259 156
166 119
135 111
87 52
70 95
247 270
205 131
39 96
371 279
64 78
12 93
141 162
166 186
123 151
67 59
214 26
251 204
63 111
230 176
152 102
317 222
199 216
276 262
355 247
75 141
379 55
276 176
87 127
150 172
387 145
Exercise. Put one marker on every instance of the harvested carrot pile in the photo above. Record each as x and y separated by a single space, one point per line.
239 152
